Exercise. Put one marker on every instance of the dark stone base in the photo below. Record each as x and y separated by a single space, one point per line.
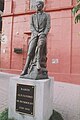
36 74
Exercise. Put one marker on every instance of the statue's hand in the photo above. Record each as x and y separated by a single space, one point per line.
35 33
41 33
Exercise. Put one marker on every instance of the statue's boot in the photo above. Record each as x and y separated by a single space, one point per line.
25 70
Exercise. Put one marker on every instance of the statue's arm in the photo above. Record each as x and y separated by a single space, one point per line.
48 25
32 28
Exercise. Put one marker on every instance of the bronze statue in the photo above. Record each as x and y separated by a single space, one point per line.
36 59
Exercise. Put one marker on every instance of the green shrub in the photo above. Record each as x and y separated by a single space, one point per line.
4 115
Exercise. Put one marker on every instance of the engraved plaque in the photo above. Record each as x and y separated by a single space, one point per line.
25 99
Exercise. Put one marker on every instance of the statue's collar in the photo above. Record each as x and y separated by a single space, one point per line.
39 12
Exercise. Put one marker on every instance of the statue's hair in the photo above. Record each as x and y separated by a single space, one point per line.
41 2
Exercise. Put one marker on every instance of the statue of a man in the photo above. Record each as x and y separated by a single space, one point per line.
40 26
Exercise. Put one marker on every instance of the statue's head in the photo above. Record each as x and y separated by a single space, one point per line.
39 5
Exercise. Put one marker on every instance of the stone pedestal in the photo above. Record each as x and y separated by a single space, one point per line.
43 98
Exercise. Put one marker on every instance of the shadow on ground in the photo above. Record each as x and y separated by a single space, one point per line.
56 116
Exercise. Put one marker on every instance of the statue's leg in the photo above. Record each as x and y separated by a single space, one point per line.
41 44
31 54
38 60
25 69
43 58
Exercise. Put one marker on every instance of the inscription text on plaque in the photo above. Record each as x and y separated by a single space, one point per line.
25 99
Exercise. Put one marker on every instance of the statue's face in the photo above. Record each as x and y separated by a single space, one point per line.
39 6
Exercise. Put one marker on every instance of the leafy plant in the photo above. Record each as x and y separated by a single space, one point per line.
75 10
4 115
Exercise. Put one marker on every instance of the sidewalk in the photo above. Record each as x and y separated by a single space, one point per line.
4 85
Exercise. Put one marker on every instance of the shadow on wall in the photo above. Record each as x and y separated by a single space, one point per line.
1 11
2 5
